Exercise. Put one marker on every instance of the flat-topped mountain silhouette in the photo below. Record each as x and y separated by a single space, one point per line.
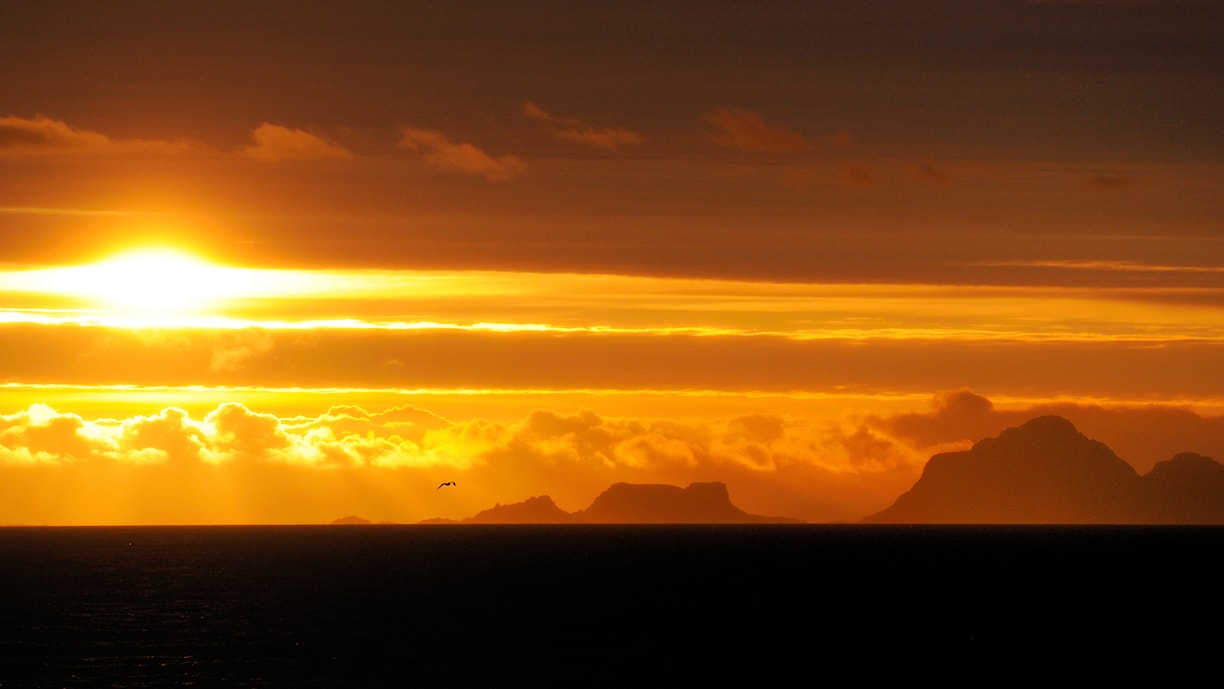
1047 472
351 519
626 503
699 503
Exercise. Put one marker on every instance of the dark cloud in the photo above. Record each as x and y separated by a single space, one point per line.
43 135
571 129
744 130
439 151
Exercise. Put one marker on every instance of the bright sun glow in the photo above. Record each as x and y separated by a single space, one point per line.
156 284
157 281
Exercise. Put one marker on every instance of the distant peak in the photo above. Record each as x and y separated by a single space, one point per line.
1050 424
1192 458
1041 431
535 510
351 519
633 503
1043 471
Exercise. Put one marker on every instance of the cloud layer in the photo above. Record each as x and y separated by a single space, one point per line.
176 466
398 453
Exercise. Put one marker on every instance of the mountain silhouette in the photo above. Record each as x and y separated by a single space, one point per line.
1047 472
699 503
351 519
1188 489
538 510
626 503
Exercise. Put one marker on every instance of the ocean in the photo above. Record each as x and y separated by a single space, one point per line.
604 605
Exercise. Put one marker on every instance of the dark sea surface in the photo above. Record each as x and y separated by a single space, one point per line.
465 605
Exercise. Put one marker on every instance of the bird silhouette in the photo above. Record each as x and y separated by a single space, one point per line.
447 483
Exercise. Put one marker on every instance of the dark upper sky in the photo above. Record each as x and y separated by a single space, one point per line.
846 141
934 78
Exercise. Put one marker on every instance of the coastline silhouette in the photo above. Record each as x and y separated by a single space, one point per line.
1042 472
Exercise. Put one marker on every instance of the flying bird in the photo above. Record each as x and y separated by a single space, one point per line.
447 483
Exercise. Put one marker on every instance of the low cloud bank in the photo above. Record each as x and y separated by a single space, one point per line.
237 464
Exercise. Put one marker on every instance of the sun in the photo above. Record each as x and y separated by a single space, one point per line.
169 287
147 283
159 281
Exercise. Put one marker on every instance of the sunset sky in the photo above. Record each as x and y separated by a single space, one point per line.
282 262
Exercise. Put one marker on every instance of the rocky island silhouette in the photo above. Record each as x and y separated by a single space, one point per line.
1042 472
1047 472
626 503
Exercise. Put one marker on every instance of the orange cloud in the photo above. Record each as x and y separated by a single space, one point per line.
43 135
753 443
466 158
171 466
570 129
349 451
240 432
275 143
170 434
746 131
42 435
